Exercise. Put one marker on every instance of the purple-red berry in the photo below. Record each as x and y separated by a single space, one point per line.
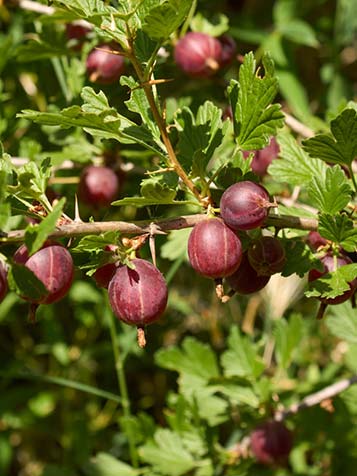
244 205
246 280
214 250
267 255
3 281
98 186
104 64
53 266
263 158
229 48
138 296
105 273
198 54
315 240
271 443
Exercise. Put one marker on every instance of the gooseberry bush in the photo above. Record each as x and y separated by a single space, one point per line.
178 266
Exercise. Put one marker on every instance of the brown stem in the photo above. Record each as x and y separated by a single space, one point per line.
77 229
145 83
298 126
316 398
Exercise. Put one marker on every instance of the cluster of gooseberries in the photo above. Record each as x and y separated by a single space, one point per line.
196 54
215 249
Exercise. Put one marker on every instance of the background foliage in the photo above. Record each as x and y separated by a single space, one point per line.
210 372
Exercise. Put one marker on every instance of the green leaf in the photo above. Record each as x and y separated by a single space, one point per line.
39 50
32 180
36 235
339 147
167 454
24 282
164 18
195 359
104 464
294 165
198 137
339 229
334 284
241 358
175 246
98 119
155 188
238 394
138 103
255 119
299 258
299 32
342 323
216 26
288 335
330 191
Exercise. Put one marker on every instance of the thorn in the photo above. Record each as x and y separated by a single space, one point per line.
152 242
77 217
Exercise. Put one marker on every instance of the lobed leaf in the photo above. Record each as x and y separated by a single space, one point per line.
294 165
331 285
339 147
339 229
167 454
255 119
330 191
241 358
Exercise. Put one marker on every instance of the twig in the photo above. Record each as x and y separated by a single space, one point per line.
36 7
140 227
298 126
45 10
316 398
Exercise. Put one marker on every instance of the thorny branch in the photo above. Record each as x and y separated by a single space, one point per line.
75 228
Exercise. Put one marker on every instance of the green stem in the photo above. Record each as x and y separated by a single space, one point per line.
123 388
353 178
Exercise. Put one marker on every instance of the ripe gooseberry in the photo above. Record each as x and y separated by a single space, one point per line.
198 54
214 250
246 280
267 255
3 281
263 158
315 240
53 266
229 47
76 32
98 186
103 65
105 273
244 205
138 296
271 443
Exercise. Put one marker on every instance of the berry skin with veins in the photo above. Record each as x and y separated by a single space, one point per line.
214 250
